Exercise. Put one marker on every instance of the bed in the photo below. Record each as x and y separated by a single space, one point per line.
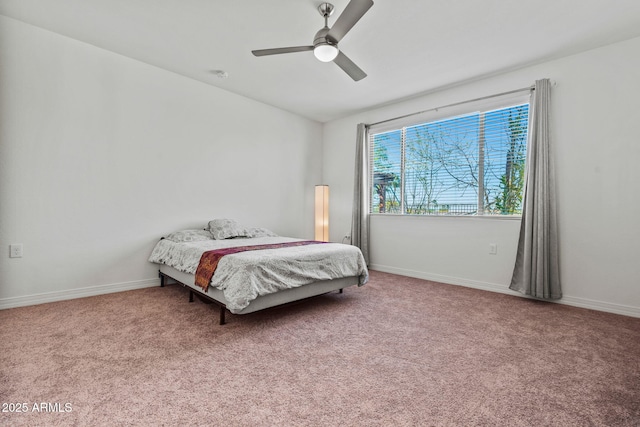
244 270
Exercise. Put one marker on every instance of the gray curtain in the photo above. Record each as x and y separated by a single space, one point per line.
537 271
360 216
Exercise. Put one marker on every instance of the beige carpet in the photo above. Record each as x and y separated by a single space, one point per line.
396 352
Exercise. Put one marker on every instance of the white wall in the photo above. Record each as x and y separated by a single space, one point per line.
597 149
100 155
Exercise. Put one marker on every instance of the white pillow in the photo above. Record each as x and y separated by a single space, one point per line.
261 232
189 236
227 229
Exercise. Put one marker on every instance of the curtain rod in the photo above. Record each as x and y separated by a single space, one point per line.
530 88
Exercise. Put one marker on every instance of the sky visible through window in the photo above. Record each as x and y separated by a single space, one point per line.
465 165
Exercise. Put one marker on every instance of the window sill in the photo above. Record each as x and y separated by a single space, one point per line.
468 217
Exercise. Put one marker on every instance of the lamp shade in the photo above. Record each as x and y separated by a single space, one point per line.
322 213
325 52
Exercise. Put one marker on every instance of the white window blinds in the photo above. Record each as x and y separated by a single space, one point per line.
470 164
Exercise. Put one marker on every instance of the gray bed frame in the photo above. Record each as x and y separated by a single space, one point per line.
262 302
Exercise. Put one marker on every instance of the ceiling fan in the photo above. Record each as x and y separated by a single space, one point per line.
325 43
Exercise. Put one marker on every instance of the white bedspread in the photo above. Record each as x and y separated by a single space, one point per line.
244 276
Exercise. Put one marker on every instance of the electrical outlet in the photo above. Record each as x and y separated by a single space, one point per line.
493 248
15 250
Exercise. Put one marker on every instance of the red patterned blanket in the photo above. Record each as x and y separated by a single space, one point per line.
209 260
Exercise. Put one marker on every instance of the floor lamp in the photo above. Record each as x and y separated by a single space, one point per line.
322 213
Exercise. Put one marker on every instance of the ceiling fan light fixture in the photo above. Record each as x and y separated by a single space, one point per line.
325 52
325 42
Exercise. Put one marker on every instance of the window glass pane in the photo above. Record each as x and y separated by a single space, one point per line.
505 147
386 151
441 166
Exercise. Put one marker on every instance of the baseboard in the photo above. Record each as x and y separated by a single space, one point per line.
608 307
46 297
76 293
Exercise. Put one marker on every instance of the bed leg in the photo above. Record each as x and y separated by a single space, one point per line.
161 279
190 296
222 311
340 291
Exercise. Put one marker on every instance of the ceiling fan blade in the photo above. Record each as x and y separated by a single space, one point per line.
352 14
279 50
349 67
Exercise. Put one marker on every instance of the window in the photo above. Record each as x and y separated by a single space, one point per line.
472 164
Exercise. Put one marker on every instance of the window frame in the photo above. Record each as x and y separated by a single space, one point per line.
481 105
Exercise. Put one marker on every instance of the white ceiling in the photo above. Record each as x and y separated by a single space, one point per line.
407 47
